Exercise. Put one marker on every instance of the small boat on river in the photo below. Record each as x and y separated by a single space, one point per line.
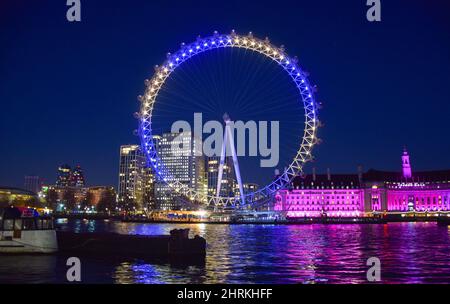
23 230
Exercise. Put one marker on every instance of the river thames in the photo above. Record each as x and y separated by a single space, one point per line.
409 253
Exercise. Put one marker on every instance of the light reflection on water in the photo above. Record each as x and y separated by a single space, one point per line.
409 253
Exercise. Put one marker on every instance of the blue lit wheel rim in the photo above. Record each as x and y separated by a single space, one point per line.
216 41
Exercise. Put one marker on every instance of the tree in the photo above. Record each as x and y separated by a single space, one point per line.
4 201
69 199
52 199
33 202
88 200
129 205
107 202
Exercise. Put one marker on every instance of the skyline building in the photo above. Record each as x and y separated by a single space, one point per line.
228 183
33 183
63 176
131 180
177 153
148 184
77 177
248 188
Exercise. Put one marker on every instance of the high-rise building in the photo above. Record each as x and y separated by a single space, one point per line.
33 183
228 183
131 166
248 188
148 188
177 154
63 178
69 193
77 177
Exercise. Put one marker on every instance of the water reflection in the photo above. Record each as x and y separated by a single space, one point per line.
28 269
409 253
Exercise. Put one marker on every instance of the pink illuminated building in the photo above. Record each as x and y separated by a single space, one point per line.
426 196
314 196
356 195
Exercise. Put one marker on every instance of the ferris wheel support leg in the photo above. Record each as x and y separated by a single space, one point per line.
235 162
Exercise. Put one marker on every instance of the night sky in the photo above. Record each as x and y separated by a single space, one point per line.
68 90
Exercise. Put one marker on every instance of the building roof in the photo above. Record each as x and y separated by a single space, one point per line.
101 188
419 176
336 180
18 191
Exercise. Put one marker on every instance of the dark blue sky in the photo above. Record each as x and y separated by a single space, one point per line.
68 90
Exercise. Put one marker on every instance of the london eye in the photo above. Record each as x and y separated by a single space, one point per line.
305 100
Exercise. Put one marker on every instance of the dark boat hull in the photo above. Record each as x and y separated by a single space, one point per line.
114 244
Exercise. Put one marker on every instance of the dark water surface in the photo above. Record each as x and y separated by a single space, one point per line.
409 253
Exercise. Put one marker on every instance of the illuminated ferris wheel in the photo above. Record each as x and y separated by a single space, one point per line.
306 100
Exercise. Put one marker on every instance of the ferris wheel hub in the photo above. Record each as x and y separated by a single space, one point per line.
226 118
